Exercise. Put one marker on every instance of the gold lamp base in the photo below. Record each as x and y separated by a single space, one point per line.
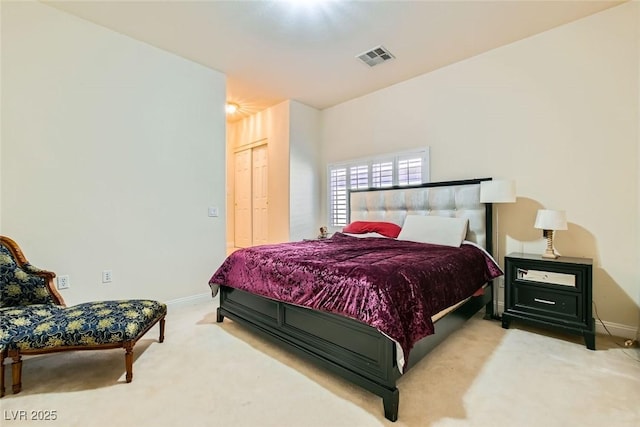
549 252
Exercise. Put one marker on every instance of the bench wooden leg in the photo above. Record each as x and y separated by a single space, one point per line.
161 339
16 371
128 359
128 351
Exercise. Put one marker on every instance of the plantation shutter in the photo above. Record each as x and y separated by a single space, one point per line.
338 196
397 169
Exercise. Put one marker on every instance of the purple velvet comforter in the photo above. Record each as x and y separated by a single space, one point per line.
392 285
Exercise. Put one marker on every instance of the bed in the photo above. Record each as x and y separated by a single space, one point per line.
309 296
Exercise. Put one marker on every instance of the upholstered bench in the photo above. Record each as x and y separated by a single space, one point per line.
88 326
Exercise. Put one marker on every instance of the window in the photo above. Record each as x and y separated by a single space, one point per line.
395 169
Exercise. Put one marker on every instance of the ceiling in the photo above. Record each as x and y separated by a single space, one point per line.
306 50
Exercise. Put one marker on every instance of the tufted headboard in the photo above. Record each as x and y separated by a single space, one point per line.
459 199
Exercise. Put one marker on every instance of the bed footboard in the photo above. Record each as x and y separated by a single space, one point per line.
346 347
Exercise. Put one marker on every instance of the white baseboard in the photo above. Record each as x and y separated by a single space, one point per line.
189 299
616 329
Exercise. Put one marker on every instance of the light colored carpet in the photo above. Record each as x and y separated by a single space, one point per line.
533 380
209 374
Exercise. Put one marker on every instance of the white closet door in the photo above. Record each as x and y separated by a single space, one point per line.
260 195
243 194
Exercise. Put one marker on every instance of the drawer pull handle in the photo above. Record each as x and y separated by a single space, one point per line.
544 301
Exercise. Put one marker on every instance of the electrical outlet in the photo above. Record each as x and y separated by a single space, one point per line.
63 282
107 276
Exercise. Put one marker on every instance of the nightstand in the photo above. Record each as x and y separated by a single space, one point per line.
554 293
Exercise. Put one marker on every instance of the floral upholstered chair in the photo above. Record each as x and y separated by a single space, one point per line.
34 319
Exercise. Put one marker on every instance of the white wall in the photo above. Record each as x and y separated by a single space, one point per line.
278 132
112 150
305 172
557 112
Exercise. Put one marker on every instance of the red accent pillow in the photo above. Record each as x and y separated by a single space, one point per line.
388 229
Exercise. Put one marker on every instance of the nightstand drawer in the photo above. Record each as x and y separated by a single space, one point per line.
568 280
539 301
552 278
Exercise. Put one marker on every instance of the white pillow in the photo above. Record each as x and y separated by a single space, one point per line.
362 235
438 230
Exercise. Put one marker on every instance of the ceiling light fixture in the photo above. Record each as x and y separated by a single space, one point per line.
231 107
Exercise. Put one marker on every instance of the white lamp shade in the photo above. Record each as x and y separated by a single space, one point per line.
498 191
548 219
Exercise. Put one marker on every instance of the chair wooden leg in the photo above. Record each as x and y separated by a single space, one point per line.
2 356
161 339
16 371
128 359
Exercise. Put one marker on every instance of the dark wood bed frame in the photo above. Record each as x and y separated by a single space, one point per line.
343 346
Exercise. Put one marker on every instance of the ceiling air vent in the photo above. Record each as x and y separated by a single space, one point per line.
375 56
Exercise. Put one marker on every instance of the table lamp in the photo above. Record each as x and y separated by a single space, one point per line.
548 221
